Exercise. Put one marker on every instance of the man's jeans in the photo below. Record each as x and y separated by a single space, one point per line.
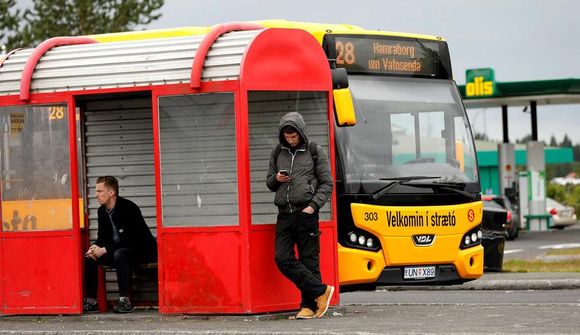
122 261
300 229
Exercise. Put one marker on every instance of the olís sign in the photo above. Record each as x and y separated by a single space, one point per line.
480 83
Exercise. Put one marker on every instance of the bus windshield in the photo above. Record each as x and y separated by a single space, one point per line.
406 127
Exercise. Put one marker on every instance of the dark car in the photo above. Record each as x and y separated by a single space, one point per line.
513 215
493 227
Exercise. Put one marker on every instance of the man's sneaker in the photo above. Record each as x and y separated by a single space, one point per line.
305 313
124 306
90 305
323 301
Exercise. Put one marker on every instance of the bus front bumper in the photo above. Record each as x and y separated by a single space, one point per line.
361 267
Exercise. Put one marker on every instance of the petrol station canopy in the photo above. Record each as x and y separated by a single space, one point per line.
482 91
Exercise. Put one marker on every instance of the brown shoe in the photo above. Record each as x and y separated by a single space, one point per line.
305 313
323 301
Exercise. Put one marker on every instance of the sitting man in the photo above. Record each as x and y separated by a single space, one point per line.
123 240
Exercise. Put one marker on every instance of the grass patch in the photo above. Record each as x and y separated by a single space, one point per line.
564 252
519 265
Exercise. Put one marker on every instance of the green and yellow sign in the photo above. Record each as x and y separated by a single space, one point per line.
480 83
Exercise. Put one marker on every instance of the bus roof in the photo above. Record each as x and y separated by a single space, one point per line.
151 34
318 30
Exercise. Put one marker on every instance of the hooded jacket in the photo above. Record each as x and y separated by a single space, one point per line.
310 185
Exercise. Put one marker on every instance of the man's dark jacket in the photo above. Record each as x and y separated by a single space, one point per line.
133 231
310 185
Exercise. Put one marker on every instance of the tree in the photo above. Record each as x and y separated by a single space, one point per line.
49 18
553 142
9 18
566 142
480 136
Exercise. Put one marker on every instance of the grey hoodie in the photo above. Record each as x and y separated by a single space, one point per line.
309 186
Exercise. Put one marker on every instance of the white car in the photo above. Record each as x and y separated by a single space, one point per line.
562 215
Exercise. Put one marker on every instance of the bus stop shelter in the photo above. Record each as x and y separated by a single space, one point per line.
187 125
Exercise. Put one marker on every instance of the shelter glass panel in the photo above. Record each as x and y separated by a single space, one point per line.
265 111
199 184
35 165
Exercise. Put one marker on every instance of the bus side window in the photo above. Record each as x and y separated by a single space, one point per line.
459 155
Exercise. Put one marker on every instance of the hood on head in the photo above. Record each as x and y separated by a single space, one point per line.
295 120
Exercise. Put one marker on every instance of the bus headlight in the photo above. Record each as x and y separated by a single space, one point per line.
370 242
474 237
362 240
352 237
471 238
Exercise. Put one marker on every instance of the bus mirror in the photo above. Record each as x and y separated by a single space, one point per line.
344 108
339 78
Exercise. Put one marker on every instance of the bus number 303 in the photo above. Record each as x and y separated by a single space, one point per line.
371 216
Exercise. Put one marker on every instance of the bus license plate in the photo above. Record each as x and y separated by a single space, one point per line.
422 272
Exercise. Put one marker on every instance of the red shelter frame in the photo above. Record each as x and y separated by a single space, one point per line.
275 60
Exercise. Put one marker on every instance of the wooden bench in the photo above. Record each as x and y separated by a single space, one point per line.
143 291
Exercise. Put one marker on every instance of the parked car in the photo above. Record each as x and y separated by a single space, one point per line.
513 214
493 227
562 215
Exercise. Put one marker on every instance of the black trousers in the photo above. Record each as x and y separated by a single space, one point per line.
301 230
122 260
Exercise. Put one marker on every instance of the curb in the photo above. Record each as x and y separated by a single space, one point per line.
150 314
526 284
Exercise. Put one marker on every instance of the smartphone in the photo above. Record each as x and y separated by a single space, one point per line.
284 172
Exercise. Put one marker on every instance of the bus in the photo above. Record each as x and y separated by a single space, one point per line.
407 208
409 204
408 192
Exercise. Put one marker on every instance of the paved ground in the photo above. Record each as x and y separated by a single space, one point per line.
380 319
531 245
506 303
510 303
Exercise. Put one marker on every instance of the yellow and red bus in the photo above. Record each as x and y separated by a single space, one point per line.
409 204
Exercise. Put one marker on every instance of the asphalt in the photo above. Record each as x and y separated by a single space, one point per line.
148 320
489 281
510 281
350 318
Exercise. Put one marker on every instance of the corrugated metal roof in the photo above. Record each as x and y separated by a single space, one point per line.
126 64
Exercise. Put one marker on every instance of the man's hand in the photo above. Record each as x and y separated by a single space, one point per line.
282 177
308 210
95 252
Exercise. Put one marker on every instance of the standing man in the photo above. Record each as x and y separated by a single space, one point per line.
299 173
123 240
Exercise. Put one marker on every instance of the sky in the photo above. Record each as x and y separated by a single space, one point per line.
520 39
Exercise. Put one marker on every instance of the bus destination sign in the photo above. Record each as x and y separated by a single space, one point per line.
390 55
